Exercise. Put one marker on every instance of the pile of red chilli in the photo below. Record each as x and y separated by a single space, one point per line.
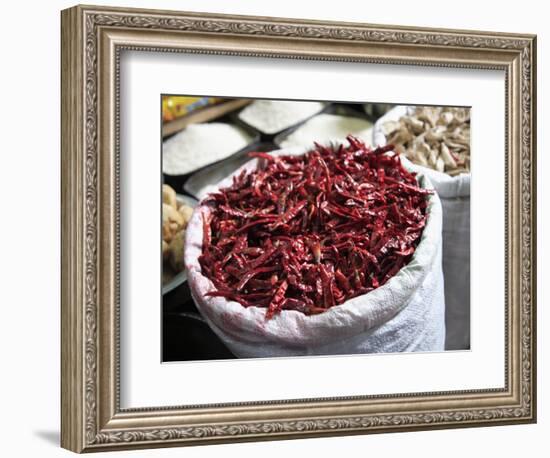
309 232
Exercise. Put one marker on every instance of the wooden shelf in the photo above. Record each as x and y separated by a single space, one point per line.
203 115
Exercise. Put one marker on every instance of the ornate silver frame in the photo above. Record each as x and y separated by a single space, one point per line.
92 39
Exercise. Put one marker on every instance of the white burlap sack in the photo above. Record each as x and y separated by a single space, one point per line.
454 193
405 314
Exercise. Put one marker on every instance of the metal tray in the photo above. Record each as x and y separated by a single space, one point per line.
178 181
265 137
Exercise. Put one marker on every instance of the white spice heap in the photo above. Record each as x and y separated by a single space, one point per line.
271 116
324 128
201 144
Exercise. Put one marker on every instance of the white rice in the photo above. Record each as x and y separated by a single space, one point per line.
201 144
271 116
324 128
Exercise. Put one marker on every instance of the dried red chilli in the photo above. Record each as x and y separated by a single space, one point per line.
309 232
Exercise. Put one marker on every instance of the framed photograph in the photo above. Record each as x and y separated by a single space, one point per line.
278 228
